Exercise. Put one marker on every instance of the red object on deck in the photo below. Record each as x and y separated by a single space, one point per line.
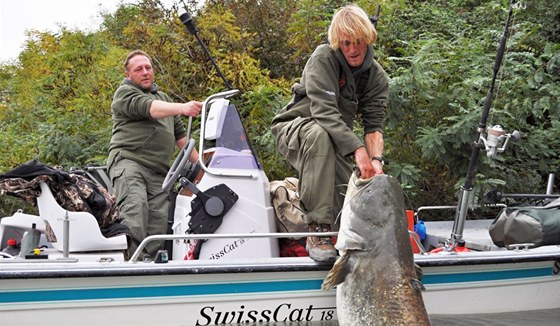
459 248
410 219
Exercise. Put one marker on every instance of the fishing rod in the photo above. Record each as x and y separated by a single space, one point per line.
189 23
375 18
495 136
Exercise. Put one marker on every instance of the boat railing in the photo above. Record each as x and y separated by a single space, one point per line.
418 242
276 235
454 207
425 208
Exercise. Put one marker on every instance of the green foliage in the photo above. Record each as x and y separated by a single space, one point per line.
309 27
55 98
267 22
406 173
443 77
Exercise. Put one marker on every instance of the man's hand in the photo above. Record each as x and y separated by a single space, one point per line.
161 109
368 168
191 108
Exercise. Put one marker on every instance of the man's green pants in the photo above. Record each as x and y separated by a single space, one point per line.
143 205
323 173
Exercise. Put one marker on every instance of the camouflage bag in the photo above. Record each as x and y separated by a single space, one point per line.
72 191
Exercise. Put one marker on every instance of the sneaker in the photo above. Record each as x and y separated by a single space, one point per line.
320 248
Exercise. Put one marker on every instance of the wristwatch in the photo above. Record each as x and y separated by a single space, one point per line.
378 158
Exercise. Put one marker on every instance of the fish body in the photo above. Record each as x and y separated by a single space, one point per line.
375 275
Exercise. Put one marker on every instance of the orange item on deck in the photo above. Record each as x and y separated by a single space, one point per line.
410 219
459 248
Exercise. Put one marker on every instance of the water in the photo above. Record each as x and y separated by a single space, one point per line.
533 318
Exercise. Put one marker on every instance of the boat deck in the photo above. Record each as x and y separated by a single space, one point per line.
475 234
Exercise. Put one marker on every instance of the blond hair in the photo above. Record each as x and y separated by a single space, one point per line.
353 23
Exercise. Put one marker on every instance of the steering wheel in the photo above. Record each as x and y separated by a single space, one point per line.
179 167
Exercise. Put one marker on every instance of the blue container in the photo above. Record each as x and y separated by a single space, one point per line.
420 228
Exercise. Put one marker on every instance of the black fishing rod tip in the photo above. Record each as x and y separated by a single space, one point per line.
187 20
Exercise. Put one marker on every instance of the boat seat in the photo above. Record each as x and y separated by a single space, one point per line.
84 232
19 222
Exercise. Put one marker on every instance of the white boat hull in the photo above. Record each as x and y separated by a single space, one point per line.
269 290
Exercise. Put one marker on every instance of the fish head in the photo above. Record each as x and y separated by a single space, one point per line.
373 213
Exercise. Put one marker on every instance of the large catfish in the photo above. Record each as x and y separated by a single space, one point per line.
375 274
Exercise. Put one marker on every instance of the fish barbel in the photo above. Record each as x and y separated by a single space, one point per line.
375 275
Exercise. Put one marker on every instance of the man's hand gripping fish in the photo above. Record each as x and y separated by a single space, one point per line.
375 274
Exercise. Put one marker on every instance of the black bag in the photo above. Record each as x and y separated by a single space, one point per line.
537 225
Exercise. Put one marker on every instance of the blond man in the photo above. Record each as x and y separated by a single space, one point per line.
314 132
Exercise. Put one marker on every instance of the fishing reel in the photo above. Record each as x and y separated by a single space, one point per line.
497 140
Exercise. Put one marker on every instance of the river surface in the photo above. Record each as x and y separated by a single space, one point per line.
525 318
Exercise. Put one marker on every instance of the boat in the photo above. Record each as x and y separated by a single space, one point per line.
239 277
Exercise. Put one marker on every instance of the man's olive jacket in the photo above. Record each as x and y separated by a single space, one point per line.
328 92
136 135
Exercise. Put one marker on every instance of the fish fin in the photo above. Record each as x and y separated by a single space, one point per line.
336 275
419 272
417 285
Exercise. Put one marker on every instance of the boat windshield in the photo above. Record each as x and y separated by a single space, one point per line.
233 149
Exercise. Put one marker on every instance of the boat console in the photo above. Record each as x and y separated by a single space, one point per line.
229 160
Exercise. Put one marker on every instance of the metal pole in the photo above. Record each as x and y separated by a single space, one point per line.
66 236
550 184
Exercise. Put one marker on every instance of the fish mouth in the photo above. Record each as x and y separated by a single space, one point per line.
359 182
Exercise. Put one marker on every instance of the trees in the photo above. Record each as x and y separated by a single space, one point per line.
55 100
443 76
